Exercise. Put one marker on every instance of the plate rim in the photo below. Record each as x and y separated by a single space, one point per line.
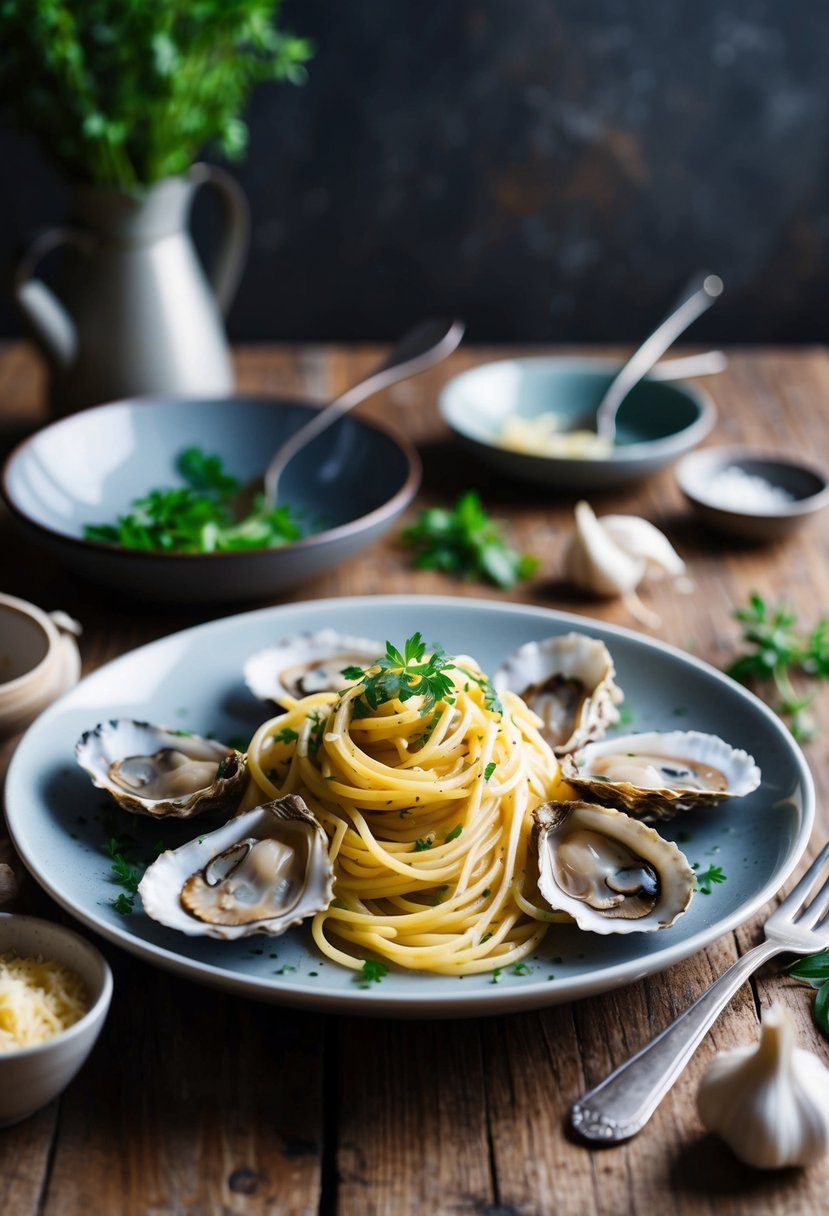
442 1004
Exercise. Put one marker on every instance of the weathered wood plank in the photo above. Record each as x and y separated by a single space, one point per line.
199 1102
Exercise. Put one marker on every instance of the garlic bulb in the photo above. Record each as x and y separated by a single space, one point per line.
612 555
769 1101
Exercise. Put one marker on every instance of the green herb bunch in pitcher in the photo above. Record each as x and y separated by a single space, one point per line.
129 92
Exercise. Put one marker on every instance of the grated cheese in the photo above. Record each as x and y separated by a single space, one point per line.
38 999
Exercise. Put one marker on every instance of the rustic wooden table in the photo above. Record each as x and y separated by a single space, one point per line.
196 1102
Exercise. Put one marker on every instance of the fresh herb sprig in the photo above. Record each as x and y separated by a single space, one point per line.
706 879
399 676
779 650
128 94
814 970
465 540
197 517
124 874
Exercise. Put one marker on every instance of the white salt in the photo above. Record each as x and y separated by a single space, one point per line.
736 490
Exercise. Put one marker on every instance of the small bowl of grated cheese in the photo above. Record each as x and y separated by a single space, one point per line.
55 990
751 495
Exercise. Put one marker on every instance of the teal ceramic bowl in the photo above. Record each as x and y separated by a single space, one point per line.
352 481
657 421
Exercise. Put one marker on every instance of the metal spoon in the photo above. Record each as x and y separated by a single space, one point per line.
652 349
420 348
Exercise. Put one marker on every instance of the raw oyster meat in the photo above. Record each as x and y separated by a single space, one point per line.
654 774
569 682
151 770
261 872
307 663
611 873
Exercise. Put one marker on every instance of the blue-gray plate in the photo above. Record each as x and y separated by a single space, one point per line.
193 680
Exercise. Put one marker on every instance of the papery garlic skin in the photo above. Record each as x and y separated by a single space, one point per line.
769 1101
610 556
641 539
596 562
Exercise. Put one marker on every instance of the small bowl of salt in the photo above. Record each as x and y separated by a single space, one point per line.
752 495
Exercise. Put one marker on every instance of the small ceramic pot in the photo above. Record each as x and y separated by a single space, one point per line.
39 659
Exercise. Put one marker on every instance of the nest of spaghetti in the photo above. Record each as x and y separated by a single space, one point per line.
418 817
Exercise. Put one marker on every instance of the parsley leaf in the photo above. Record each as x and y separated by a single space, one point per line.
286 735
372 972
400 676
465 540
489 770
455 833
705 880
779 650
197 517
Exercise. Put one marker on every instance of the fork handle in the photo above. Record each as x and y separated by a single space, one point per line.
621 1105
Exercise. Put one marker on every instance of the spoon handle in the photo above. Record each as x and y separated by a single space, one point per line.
420 348
652 349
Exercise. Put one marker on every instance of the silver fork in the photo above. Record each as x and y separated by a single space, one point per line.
621 1105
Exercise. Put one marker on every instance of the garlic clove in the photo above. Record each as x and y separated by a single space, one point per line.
769 1101
641 539
595 562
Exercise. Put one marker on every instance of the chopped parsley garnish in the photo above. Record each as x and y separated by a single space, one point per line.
399 677
491 699
197 517
372 972
778 651
422 843
125 874
489 770
455 833
465 540
319 720
814 970
439 895
522 969
123 904
286 735
705 880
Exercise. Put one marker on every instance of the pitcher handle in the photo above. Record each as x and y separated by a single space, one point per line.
225 270
45 313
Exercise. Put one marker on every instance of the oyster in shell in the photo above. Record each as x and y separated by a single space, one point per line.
611 873
151 770
261 872
652 775
307 663
569 682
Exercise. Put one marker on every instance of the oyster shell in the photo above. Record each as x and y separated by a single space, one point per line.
652 775
151 770
307 663
569 682
261 872
611 873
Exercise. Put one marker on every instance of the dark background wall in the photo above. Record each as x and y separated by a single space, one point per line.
551 171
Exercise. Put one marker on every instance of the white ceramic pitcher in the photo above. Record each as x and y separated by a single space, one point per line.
133 311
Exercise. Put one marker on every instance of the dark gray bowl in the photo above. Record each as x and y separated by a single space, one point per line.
721 505
356 478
